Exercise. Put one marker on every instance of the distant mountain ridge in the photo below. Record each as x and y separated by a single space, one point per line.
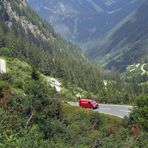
82 20
126 43
112 32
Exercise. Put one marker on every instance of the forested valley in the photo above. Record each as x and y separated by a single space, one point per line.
32 113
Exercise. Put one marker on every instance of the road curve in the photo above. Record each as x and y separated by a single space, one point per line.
114 110
143 70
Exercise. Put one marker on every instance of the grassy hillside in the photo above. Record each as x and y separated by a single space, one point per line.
32 116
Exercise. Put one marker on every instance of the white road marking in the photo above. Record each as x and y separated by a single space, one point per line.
104 108
111 114
117 105
127 111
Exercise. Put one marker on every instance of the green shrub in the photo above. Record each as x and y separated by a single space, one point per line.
5 52
140 112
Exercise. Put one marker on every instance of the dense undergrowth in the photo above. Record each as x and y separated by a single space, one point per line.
32 115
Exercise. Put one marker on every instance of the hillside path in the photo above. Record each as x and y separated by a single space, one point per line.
143 70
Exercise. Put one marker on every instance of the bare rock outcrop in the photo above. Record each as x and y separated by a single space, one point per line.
2 66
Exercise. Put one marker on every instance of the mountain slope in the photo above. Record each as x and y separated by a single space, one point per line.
126 43
33 40
82 20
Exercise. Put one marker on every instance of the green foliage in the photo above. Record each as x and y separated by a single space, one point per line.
140 112
74 127
26 102
4 51
53 55
30 114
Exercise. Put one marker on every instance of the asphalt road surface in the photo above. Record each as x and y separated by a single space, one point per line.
115 110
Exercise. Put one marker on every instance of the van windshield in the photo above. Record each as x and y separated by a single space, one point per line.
93 102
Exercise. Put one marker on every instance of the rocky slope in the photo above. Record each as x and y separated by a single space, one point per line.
23 34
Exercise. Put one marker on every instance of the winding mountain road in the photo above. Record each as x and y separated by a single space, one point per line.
114 110
143 70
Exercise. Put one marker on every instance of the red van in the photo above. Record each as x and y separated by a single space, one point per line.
88 103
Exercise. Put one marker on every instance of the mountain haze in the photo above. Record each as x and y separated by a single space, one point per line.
126 43
83 20
111 32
